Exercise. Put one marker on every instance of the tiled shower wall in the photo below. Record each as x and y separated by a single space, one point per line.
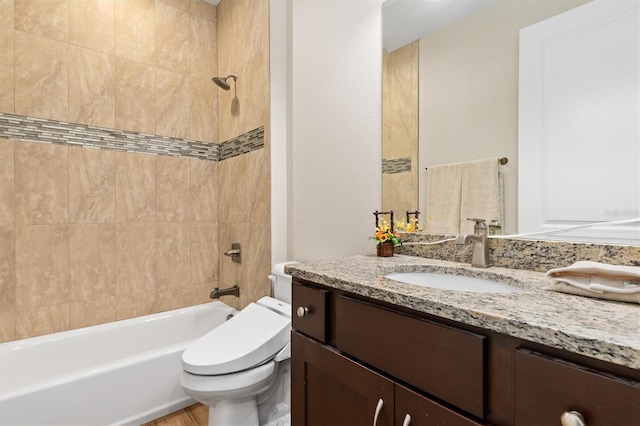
400 130
90 236
245 180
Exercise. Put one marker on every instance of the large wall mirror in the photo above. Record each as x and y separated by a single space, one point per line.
451 95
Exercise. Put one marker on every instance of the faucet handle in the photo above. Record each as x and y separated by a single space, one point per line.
480 223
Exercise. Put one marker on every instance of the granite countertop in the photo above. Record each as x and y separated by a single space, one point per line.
605 330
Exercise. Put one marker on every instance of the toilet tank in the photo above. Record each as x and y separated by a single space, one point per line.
281 282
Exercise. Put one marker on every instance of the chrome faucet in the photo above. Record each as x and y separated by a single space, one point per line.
480 241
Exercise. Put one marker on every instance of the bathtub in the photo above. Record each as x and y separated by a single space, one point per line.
124 372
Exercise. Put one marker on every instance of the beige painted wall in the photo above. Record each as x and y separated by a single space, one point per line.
90 236
469 89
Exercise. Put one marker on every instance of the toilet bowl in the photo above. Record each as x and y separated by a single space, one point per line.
240 370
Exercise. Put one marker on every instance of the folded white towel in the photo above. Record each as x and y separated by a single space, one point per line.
443 199
599 280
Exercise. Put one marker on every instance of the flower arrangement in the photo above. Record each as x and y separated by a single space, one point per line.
385 233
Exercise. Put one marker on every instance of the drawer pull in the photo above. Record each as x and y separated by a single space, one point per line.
377 413
407 420
572 418
302 311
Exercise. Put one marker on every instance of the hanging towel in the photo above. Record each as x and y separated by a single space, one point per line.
443 199
482 192
599 280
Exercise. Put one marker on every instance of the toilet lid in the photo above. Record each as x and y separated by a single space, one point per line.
251 337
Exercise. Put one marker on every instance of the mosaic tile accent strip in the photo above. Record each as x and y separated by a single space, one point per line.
242 144
73 134
396 165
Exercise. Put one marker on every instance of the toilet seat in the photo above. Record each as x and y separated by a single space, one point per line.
251 338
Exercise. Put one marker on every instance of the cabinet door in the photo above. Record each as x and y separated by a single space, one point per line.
424 412
329 389
547 387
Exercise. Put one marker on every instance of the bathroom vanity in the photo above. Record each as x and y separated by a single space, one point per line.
367 350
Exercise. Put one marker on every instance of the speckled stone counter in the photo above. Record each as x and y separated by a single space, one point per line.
609 331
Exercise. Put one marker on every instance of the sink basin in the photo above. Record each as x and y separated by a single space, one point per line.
452 282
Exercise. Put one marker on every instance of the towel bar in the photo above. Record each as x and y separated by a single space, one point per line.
501 160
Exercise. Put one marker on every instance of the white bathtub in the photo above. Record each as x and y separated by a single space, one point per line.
124 372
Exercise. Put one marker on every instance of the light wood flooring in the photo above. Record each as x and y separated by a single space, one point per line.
194 415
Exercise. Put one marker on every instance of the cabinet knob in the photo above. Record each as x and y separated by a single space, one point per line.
407 420
302 311
572 418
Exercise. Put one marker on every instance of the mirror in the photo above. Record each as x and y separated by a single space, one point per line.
469 61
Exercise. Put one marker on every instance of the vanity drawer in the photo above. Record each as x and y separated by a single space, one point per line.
309 314
546 387
442 361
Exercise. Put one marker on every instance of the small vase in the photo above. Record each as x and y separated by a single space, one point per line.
385 249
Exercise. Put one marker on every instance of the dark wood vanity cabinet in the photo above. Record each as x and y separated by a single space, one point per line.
353 357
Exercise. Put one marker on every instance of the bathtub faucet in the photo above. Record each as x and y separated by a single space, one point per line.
231 291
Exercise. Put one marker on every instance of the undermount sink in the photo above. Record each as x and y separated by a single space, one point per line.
452 282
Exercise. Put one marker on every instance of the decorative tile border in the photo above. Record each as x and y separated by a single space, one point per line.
242 144
396 165
74 134
34 129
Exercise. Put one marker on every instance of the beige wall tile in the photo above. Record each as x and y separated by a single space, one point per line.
41 77
204 191
173 258
8 325
204 252
91 87
92 261
47 18
203 110
42 265
254 87
92 185
7 69
43 320
6 13
202 49
234 197
258 187
134 96
41 183
134 30
91 24
92 312
135 259
172 104
203 9
172 38
135 187
6 182
258 257
175 298
172 188
180 4
135 304
7 269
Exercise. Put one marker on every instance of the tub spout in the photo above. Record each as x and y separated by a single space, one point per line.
231 291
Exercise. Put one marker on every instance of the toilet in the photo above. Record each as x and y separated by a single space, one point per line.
241 369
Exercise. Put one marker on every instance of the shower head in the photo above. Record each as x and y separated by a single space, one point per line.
222 81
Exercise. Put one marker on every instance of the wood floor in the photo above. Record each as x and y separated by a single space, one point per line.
194 415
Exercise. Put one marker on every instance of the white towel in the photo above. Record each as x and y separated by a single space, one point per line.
443 199
599 280
482 193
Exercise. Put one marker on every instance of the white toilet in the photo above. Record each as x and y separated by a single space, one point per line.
241 369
